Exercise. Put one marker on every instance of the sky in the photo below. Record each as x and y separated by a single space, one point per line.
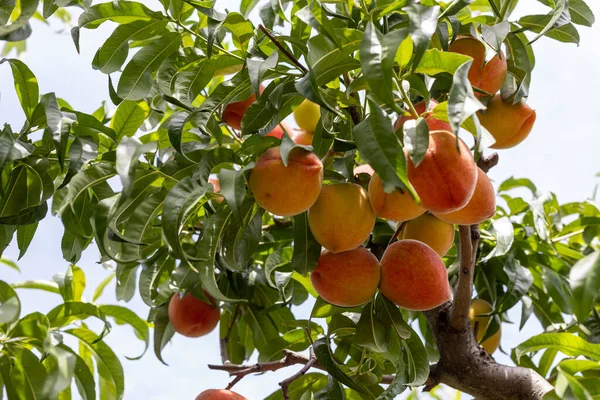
560 155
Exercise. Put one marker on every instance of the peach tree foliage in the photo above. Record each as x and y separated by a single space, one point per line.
169 73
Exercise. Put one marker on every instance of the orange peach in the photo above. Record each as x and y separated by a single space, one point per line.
481 206
216 188
307 115
364 169
433 123
290 190
234 112
279 130
413 276
216 394
446 177
508 123
479 308
346 279
342 218
303 137
488 76
397 206
437 234
191 316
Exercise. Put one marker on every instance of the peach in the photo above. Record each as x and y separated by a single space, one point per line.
508 123
413 276
488 76
397 206
445 179
290 190
216 394
437 234
234 112
216 188
481 206
342 218
347 279
433 123
193 317
478 307
280 129
303 137
307 115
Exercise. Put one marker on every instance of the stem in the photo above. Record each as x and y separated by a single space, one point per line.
406 99
216 46
399 227
283 49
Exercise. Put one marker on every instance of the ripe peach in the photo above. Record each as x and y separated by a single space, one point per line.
397 206
216 188
413 276
303 137
216 394
290 190
342 217
191 316
307 115
433 123
437 234
508 123
479 306
481 206
445 179
234 112
485 76
347 279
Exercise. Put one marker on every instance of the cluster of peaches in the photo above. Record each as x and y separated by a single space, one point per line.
341 216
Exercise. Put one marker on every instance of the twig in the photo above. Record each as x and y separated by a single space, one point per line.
353 109
290 358
283 49
488 162
459 312
286 382
399 229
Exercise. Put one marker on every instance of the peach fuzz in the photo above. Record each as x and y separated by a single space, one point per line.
307 115
485 76
396 206
478 307
437 234
445 179
191 316
342 218
347 279
413 276
508 123
217 394
433 123
290 190
482 205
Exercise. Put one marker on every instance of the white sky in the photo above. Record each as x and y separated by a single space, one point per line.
560 155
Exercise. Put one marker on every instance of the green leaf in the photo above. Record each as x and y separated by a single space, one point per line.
241 30
324 356
462 102
496 35
581 13
129 117
48 286
26 86
505 236
88 178
6 8
257 67
136 80
113 53
109 366
558 18
19 29
61 366
519 282
32 326
124 315
380 147
9 263
423 21
163 331
416 139
370 331
323 309
566 343
190 82
332 391
120 12
327 61
566 33
306 248
390 315
233 188
377 54
59 125
100 288
24 374
585 284
25 235
64 314
128 153
418 359
315 16
84 379
520 64
71 284
436 62
10 306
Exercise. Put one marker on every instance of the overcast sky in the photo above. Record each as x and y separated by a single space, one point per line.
560 155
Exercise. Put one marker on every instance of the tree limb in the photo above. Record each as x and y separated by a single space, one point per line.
459 311
283 49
